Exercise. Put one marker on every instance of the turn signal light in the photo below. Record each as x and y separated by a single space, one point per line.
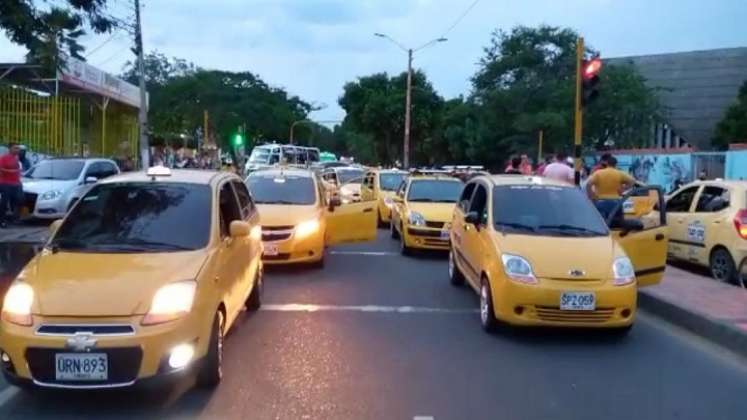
740 223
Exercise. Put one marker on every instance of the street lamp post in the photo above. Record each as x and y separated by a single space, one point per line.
408 95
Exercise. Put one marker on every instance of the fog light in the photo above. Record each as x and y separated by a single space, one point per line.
519 310
625 313
181 355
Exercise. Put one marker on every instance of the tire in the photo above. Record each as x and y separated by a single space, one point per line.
318 264
487 312
456 278
254 302
211 372
393 230
379 221
722 266
403 248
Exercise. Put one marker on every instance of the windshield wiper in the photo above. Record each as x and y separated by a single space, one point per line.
276 202
518 226
566 228
142 244
64 243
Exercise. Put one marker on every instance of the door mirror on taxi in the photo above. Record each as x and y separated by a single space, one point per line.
334 202
54 226
91 180
240 229
472 218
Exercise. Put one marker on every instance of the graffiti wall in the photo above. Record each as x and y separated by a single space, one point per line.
736 165
666 171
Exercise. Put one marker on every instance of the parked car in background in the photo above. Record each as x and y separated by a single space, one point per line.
381 185
346 181
52 186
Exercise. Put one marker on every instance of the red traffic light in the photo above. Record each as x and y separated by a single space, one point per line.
592 68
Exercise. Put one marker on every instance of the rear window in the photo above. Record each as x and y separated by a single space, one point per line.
272 189
436 191
157 218
546 210
390 182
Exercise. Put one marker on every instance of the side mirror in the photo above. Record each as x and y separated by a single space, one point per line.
54 226
472 218
334 202
91 180
239 229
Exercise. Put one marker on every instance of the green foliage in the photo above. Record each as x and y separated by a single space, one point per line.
733 127
48 31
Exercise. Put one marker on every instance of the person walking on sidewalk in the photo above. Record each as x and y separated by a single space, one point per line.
10 183
605 186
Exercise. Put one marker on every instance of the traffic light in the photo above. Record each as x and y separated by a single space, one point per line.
238 140
590 70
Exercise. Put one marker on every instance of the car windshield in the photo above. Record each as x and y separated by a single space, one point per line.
390 181
260 156
63 170
546 210
348 175
152 221
437 191
275 189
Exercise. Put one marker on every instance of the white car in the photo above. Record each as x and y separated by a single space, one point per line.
51 187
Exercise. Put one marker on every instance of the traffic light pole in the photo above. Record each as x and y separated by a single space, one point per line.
579 111
408 111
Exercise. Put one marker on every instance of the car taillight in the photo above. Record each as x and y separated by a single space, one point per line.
740 222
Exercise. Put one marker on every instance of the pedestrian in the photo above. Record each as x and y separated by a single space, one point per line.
559 170
526 165
23 159
541 168
606 185
702 176
602 162
514 168
11 190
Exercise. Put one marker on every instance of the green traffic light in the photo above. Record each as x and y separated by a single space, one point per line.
238 140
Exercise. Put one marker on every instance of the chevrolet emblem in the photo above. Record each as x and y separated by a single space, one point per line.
576 273
81 341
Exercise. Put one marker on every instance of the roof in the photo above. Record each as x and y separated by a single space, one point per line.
720 182
189 176
498 180
429 177
281 171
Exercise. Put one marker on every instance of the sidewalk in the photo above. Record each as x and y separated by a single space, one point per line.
713 310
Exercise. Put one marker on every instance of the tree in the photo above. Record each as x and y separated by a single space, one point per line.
48 32
159 70
733 127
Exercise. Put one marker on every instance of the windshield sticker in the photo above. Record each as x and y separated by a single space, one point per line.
629 206
696 232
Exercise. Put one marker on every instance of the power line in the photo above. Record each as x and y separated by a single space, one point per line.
111 38
460 18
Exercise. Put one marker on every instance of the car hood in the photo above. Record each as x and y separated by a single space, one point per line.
285 215
40 186
87 284
434 212
555 257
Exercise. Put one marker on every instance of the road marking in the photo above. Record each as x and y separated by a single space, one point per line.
423 418
305 307
8 394
366 253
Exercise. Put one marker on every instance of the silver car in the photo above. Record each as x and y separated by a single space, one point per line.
52 186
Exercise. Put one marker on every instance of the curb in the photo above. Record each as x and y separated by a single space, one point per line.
719 332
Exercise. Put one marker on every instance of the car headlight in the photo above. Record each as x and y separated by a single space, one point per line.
518 268
51 195
171 302
623 271
17 304
307 228
416 219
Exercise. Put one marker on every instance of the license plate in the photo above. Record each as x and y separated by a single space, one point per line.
577 301
271 249
81 367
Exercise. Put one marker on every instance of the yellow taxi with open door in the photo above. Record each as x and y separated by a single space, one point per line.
300 217
381 185
538 252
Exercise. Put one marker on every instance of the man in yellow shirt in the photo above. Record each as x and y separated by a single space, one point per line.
605 186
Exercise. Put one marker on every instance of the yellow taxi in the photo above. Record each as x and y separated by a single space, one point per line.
139 283
381 185
709 226
299 218
538 252
422 212
344 181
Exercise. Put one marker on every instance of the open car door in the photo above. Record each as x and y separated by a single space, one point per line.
350 222
639 225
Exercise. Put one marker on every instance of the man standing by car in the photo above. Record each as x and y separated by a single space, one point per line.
10 183
559 170
605 186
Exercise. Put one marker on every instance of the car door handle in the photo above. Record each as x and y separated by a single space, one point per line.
717 222
659 237
368 210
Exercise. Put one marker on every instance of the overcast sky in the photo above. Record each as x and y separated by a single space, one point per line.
312 47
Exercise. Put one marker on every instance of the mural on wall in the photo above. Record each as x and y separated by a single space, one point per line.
666 171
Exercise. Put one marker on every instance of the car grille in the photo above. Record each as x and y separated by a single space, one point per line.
124 364
554 314
424 232
434 225
279 257
436 242
29 201
100 330
276 233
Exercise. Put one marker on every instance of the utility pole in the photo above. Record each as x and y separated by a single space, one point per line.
539 149
579 110
143 114
408 110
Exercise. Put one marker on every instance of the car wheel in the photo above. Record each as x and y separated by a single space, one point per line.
722 266
212 370
379 220
318 264
254 302
403 248
487 314
393 230
455 275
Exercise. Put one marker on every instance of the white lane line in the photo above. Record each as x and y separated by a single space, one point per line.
7 394
366 253
422 418
305 307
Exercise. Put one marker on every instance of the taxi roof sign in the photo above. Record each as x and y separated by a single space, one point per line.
159 170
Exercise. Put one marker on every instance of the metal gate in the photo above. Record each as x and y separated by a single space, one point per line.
712 164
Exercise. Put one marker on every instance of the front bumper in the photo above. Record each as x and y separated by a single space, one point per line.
295 251
132 358
426 238
539 305
46 209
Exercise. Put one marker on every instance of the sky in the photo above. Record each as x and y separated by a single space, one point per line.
312 48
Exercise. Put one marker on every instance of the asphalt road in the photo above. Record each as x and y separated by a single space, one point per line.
380 336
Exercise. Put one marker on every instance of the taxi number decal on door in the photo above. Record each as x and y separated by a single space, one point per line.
696 232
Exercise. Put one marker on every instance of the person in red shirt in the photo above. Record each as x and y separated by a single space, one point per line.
10 183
